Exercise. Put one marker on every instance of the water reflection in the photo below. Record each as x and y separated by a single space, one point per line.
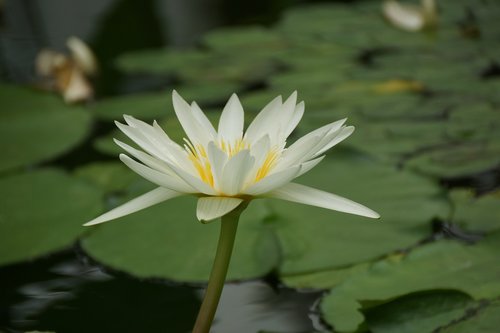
61 294
254 306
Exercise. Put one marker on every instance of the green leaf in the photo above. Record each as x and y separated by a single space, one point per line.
42 212
109 176
35 127
484 320
166 241
158 61
244 39
419 313
457 160
447 265
143 106
315 239
476 213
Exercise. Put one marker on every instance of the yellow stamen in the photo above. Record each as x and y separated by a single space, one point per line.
268 164
198 156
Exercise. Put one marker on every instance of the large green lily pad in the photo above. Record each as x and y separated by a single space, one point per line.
109 176
166 241
476 213
419 313
485 319
158 61
457 160
36 126
42 212
315 239
142 106
447 265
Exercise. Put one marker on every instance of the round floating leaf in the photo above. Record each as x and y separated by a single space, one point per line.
476 214
485 320
457 160
109 176
35 127
447 265
316 239
323 279
166 241
419 313
158 61
474 122
245 39
142 106
392 140
42 212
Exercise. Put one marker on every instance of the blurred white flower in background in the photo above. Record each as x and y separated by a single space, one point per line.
410 17
68 74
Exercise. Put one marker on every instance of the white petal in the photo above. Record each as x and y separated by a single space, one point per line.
194 181
307 146
263 122
310 196
210 208
147 159
217 159
406 17
273 181
203 120
165 139
195 132
260 149
297 153
169 153
236 172
297 116
157 177
144 201
339 137
138 137
306 166
231 121
154 134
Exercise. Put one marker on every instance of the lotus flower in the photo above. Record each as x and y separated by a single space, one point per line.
229 166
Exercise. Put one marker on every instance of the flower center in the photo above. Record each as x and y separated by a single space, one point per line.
198 156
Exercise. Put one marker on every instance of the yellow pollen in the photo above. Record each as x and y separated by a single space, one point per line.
235 148
199 157
268 164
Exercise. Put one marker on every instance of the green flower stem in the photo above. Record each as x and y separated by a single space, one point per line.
229 225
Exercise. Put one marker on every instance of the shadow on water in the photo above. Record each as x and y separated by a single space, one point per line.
60 294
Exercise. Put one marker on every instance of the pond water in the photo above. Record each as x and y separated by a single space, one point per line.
65 293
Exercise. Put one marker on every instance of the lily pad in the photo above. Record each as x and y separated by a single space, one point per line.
447 265
484 320
476 213
109 176
142 106
315 239
457 160
419 313
42 212
35 127
166 241
245 39
158 61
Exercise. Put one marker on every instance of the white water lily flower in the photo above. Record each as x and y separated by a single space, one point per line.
229 166
410 17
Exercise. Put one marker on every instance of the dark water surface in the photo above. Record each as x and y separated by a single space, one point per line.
63 294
